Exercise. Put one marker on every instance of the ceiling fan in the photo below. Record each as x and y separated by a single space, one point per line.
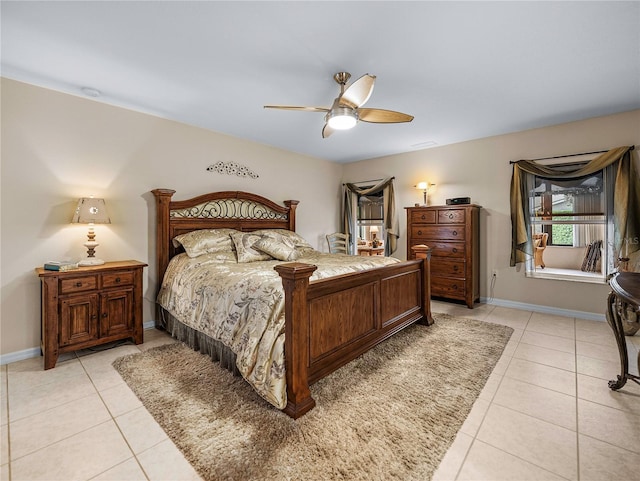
347 109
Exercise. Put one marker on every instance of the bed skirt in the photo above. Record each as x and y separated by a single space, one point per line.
198 341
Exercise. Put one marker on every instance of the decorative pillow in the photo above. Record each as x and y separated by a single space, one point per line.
297 239
281 248
244 248
205 241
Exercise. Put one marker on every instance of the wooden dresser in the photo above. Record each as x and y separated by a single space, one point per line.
89 306
452 233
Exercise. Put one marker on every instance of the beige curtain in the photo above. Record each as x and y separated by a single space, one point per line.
391 224
626 208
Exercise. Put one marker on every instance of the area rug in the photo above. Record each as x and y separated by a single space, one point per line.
390 414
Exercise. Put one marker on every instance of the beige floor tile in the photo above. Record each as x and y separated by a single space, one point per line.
490 387
35 432
4 444
554 325
4 472
522 435
120 399
548 357
140 429
4 410
30 401
506 316
475 417
82 456
502 364
590 366
484 462
551 342
600 461
3 379
610 425
596 337
543 376
164 462
30 373
130 470
597 390
100 360
545 404
452 461
597 351
595 326
157 342
104 377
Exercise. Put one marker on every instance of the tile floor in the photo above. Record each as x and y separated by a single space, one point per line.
545 413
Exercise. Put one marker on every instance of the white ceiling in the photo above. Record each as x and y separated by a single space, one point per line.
465 70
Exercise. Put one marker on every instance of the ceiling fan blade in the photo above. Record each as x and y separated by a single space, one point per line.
292 107
381 116
358 92
327 131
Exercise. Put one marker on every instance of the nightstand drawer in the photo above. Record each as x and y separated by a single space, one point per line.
116 279
78 284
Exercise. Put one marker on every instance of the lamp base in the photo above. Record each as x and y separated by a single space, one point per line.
91 261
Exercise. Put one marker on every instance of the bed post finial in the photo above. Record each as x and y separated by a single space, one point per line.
292 204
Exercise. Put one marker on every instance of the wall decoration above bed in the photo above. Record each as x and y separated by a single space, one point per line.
232 168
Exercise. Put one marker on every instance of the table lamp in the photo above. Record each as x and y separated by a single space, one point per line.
424 187
91 211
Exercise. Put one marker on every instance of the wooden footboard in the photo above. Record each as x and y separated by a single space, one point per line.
330 322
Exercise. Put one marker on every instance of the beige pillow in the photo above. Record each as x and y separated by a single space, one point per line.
205 241
297 239
244 248
280 248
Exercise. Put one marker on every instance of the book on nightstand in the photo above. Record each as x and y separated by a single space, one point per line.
60 266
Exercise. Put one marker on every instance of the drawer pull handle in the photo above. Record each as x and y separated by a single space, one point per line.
455 232
455 268
455 249
419 232
117 279
78 284
450 216
454 287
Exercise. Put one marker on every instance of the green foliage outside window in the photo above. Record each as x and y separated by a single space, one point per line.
562 234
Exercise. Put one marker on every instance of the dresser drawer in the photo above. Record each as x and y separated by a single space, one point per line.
437 232
451 216
445 249
423 217
69 285
445 287
116 279
447 267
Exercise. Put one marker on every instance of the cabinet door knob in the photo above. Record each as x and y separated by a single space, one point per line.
104 314
78 284
93 316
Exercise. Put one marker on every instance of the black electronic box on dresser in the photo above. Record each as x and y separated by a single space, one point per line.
89 306
452 233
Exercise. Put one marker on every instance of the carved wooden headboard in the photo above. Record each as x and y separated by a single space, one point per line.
231 209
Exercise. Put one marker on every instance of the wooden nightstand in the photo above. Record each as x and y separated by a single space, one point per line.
89 306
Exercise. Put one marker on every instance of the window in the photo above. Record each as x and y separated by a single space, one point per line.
570 215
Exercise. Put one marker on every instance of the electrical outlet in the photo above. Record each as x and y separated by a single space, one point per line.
494 273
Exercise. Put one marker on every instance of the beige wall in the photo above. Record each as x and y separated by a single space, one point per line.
57 148
480 169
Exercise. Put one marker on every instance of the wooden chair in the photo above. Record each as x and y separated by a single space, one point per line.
337 243
539 245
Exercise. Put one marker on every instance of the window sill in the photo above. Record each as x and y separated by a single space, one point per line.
571 275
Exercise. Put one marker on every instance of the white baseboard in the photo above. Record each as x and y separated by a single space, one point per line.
35 351
592 316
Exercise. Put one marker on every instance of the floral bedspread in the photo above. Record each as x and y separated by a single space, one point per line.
242 305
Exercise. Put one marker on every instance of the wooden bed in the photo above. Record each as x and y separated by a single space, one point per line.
328 322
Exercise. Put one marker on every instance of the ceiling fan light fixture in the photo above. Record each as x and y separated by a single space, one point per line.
342 118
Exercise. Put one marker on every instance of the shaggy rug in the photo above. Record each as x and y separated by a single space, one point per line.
390 414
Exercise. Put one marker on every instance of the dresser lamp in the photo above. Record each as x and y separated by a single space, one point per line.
424 187
91 211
